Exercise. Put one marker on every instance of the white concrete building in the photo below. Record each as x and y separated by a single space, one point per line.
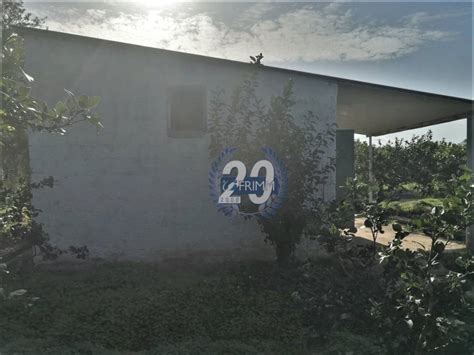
137 189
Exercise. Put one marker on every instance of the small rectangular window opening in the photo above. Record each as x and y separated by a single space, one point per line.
187 112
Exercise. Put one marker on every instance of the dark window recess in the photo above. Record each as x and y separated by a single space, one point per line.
187 112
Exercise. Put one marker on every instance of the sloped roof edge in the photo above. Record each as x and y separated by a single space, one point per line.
264 67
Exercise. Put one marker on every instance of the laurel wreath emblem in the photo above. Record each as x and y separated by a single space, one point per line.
215 175
266 210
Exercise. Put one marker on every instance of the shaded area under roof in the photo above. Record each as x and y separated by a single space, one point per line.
374 110
369 109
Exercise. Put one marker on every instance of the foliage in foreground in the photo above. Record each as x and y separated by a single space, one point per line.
427 304
21 112
330 305
251 309
368 300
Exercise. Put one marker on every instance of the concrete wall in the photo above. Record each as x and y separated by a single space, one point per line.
129 191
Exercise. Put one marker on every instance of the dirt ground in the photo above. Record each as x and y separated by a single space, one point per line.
413 241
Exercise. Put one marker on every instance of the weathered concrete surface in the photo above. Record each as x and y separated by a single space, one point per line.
129 191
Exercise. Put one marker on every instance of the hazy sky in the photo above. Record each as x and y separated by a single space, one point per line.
423 46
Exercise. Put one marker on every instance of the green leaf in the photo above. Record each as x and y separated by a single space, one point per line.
353 229
23 91
397 227
460 262
61 108
88 102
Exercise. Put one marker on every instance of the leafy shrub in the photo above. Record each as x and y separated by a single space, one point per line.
245 121
17 215
425 303
334 297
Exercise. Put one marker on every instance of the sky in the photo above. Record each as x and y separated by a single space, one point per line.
424 46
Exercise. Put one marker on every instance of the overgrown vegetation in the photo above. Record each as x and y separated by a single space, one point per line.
427 295
424 291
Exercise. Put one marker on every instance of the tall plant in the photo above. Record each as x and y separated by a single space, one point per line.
15 14
426 299
247 122
427 303
21 112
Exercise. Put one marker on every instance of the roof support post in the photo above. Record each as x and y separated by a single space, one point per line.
470 164
344 161
371 176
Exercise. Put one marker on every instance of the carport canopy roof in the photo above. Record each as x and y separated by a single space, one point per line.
373 110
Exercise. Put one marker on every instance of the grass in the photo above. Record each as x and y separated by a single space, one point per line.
411 207
232 309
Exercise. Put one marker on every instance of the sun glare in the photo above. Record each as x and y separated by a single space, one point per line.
157 3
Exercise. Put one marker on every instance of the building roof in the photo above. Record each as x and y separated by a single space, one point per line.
367 108
374 110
